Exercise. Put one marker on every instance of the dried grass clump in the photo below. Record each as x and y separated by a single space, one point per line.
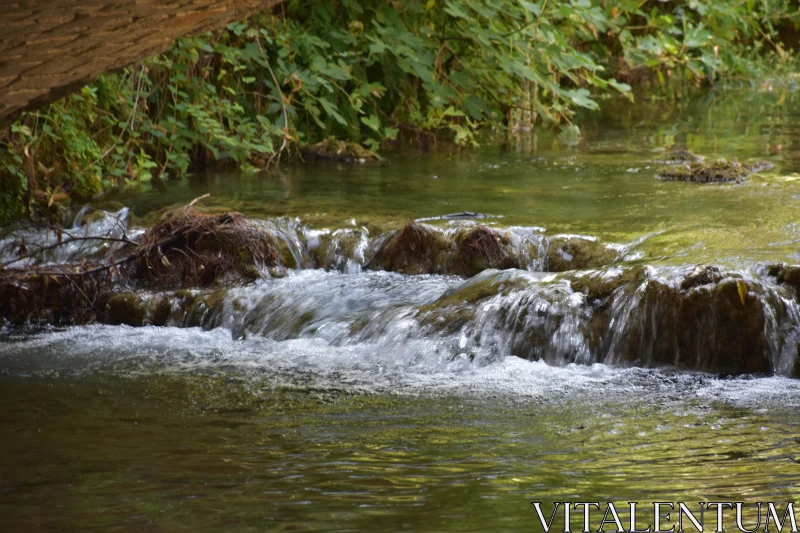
184 249
187 248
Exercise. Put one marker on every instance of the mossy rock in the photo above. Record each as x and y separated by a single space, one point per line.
577 253
339 151
786 275
319 253
709 321
480 248
702 275
601 284
205 309
719 171
160 310
285 255
457 306
675 155
413 249
341 247
126 308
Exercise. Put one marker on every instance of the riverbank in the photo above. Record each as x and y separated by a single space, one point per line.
377 76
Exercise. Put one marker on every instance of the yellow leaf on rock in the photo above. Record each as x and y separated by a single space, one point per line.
742 288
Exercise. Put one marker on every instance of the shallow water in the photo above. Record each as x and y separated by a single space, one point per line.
162 429
605 186
320 402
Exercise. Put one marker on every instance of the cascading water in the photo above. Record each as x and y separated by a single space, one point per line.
92 232
620 314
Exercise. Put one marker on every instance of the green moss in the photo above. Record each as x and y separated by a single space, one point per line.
285 254
159 310
341 151
414 249
205 308
600 284
457 306
301 322
719 171
277 272
126 308
575 253
242 257
674 154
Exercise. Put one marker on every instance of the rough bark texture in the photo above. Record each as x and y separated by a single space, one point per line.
49 48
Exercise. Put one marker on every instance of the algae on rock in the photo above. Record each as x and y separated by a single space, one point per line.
569 252
480 248
341 151
413 249
719 171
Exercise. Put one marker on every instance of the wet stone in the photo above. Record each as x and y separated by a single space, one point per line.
572 253
339 151
675 155
413 249
719 171
481 248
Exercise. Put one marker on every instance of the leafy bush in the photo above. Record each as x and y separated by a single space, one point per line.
369 71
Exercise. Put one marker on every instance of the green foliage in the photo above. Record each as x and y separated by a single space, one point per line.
370 71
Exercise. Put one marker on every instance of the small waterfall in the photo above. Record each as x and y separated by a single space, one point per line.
531 315
294 240
701 318
346 250
82 239
687 317
560 298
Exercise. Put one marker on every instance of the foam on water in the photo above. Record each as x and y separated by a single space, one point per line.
416 367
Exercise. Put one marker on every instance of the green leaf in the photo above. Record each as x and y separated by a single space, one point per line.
581 98
533 8
372 122
455 9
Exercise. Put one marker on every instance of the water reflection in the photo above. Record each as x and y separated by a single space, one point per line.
219 453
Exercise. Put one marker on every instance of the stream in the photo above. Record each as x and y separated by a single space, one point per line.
338 394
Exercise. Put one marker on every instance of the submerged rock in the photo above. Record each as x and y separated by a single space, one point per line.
127 308
459 306
177 308
675 155
341 151
342 250
719 171
786 275
574 252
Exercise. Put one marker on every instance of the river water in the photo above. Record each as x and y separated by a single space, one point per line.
320 401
